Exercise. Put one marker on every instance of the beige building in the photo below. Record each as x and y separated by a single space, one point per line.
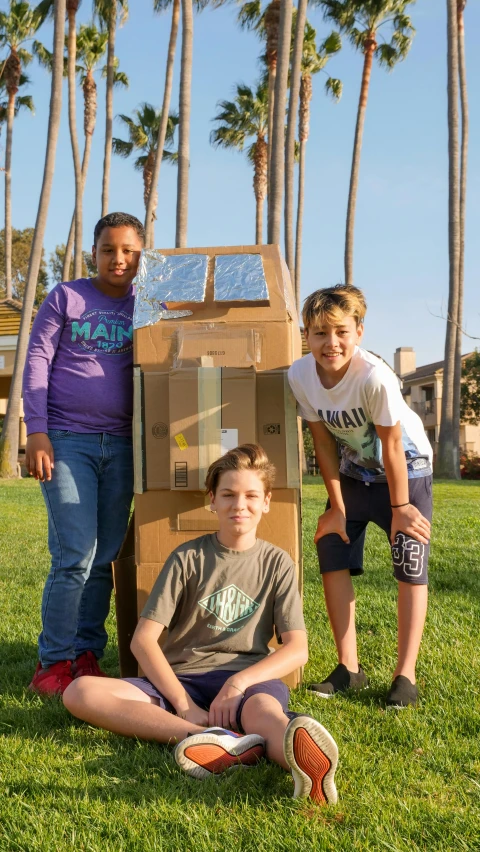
10 313
422 390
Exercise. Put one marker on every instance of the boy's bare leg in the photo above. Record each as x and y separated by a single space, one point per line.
340 602
263 714
412 611
122 708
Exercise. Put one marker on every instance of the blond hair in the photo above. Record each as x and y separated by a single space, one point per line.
247 457
332 303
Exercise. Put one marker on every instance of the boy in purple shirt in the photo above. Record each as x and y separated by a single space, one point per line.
77 393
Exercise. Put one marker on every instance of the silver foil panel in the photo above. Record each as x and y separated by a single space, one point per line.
167 278
239 278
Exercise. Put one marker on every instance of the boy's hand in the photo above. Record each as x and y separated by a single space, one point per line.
193 713
223 709
332 521
39 456
410 521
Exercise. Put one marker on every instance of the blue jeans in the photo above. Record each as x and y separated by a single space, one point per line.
88 502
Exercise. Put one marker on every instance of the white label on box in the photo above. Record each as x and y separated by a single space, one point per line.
2 362
228 440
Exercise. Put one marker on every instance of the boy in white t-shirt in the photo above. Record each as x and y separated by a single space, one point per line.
351 400
221 597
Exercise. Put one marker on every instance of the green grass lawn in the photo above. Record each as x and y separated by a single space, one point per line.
406 781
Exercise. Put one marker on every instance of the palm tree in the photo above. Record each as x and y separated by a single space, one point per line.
463 196
9 439
91 46
313 61
447 464
241 119
22 102
143 136
265 21
108 11
361 20
17 26
277 139
158 6
184 129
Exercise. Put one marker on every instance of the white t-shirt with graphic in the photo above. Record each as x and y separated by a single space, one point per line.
223 606
368 395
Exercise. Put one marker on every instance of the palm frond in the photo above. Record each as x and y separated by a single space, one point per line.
122 148
334 87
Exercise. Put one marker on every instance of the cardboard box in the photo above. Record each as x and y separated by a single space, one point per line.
252 407
165 519
125 590
212 410
278 342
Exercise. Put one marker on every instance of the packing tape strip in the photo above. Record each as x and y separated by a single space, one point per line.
138 450
291 436
209 419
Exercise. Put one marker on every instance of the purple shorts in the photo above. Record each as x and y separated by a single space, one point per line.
203 688
365 502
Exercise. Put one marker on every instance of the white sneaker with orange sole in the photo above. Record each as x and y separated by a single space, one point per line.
312 754
215 750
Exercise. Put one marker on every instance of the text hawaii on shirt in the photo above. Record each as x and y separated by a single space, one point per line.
368 394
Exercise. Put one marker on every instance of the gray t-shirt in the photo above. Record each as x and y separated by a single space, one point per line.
222 606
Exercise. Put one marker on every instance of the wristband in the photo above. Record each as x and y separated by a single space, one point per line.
236 687
400 505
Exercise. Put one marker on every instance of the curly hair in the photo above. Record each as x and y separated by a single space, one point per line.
118 220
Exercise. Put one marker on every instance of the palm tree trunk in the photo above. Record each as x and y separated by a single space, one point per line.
295 78
184 123
67 260
89 122
303 133
10 433
72 121
162 130
8 197
298 239
369 50
463 197
278 136
447 461
260 178
272 22
107 158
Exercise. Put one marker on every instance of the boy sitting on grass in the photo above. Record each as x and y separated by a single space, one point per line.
214 687
350 396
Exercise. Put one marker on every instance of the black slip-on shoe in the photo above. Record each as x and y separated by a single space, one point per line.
403 693
339 681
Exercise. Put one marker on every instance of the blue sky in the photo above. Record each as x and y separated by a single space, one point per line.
401 239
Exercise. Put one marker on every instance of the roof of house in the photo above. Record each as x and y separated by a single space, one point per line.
10 315
428 370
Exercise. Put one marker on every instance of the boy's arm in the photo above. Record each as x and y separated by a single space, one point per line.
153 662
290 655
44 338
333 520
406 518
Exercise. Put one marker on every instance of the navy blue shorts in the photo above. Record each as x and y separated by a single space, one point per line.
365 502
203 688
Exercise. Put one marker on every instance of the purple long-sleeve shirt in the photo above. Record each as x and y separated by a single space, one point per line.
78 374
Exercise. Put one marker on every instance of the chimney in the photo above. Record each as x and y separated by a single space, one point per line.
404 360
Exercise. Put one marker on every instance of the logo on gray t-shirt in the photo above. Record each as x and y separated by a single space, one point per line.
229 605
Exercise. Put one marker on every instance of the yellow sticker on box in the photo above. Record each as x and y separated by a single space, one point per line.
180 439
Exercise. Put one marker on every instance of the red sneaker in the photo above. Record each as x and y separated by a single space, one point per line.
52 681
87 664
